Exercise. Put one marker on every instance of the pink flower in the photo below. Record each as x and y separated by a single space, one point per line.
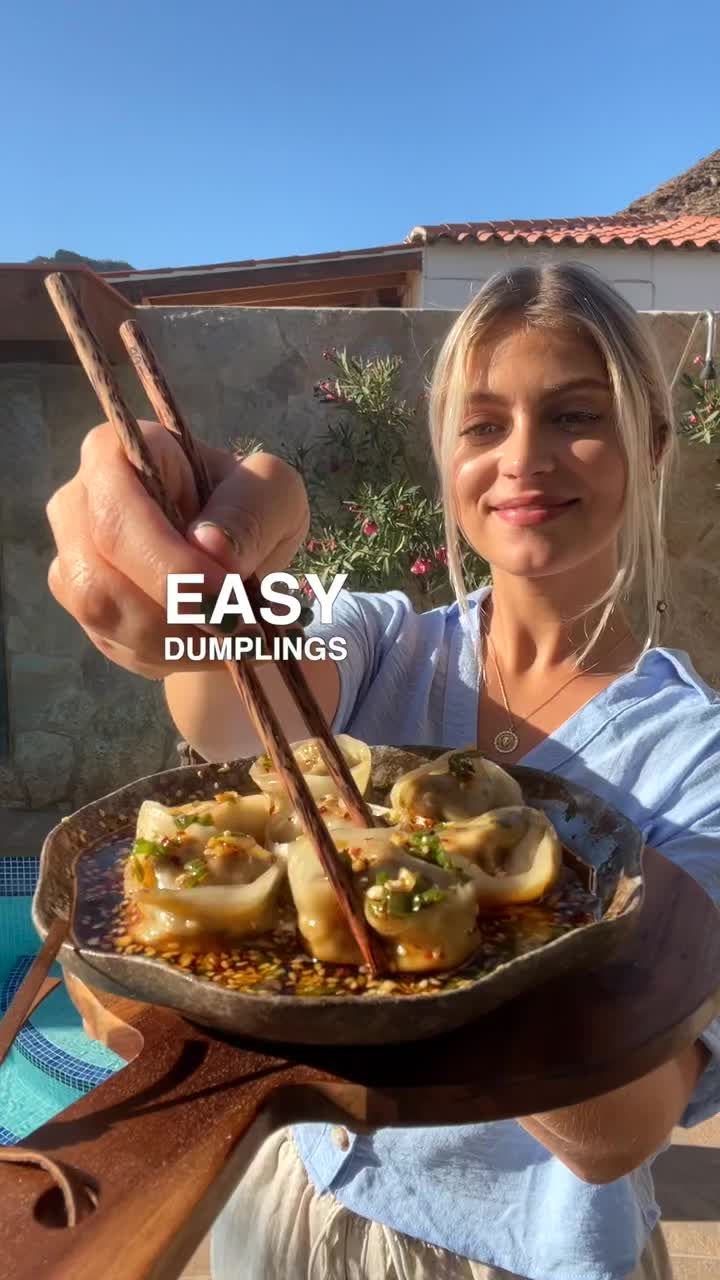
441 555
421 567
313 545
329 354
326 392
369 528
306 589
692 420
330 545
697 360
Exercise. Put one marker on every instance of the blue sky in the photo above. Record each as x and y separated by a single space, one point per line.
176 133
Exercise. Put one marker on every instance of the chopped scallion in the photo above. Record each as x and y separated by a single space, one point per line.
185 820
399 904
460 766
194 874
425 844
427 898
147 849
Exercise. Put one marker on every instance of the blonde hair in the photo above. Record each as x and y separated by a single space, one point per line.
561 296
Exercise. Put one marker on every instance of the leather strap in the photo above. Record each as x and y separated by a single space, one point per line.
79 1199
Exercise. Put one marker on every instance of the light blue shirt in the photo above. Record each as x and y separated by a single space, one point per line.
650 745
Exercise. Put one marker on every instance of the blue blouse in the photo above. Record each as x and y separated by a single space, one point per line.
649 744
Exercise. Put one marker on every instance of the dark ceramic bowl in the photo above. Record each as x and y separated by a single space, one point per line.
607 852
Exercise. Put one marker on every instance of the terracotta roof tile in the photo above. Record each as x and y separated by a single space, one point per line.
683 230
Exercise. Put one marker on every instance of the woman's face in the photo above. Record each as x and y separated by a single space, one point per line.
539 472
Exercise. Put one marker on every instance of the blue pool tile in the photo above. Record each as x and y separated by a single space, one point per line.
18 877
40 1077
45 1055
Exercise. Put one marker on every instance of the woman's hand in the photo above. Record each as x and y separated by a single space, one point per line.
115 548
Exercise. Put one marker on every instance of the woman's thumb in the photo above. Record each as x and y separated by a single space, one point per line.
254 509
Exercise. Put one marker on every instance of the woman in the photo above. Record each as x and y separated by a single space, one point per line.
551 425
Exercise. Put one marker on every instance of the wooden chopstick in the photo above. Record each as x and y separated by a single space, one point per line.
170 415
104 384
158 392
22 1002
269 729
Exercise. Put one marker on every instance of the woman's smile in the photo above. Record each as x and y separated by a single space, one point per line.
531 509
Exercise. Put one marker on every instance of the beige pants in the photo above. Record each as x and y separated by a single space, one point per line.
278 1227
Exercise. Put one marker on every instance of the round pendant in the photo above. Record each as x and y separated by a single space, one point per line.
507 741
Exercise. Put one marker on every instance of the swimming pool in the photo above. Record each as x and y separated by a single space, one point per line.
52 1062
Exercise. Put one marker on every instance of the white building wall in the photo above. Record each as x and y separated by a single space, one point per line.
658 279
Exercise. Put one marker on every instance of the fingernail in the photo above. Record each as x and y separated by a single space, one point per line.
218 541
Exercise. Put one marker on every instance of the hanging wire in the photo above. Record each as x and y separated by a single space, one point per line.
683 357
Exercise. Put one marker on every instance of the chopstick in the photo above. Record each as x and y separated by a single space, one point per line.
244 677
170 415
22 1002
164 403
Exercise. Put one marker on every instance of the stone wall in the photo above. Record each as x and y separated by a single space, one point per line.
78 726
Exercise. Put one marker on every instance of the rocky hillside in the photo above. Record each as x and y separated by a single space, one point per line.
695 191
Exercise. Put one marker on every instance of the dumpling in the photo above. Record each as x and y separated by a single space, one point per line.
458 785
161 862
284 826
427 914
202 819
230 811
311 760
235 911
181 863
513 854
157 822
235 859
181 888
320 918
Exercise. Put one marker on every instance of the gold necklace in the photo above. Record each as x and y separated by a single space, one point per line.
507 740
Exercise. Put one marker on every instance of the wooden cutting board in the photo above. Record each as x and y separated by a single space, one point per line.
164 1142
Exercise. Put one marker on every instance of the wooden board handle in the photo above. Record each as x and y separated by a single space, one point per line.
134 1143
